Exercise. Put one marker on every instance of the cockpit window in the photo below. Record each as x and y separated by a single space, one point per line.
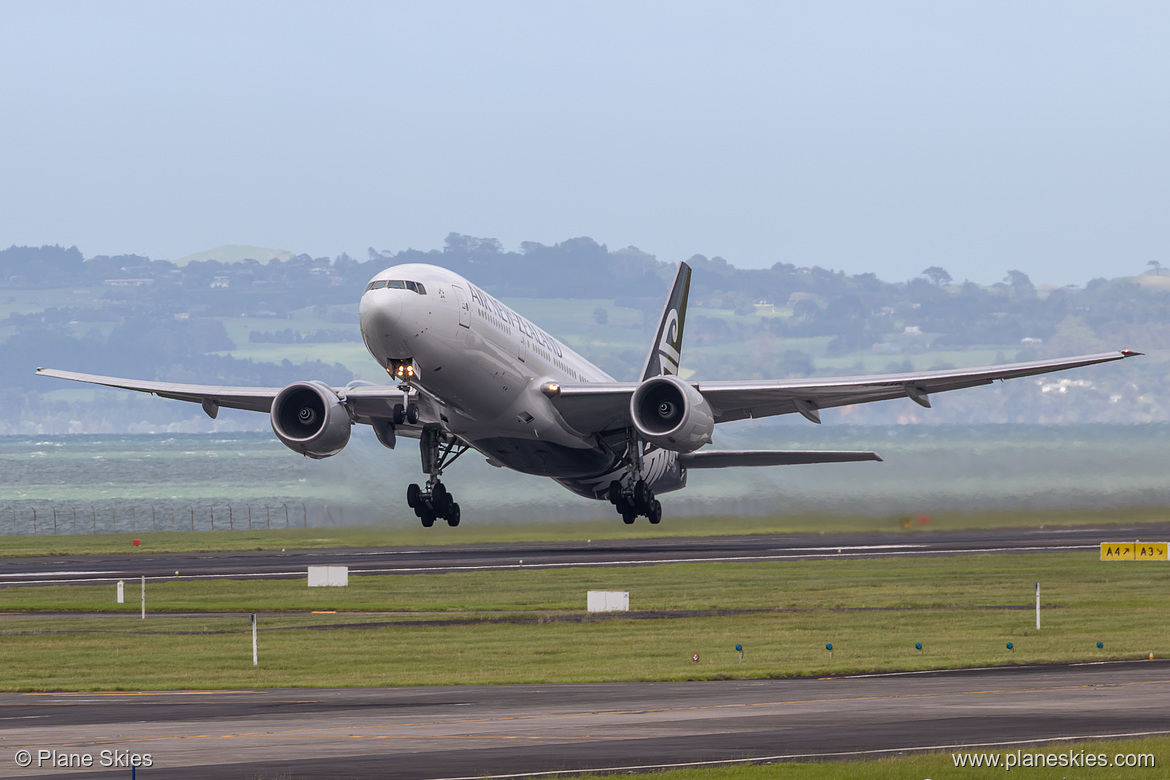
396 284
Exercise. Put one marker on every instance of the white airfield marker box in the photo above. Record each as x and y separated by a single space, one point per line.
609 601
328 576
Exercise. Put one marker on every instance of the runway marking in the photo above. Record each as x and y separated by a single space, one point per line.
791 756
971 669
582 738
141 693
847 553
55 573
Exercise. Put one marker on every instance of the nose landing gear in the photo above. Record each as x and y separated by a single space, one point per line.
405 414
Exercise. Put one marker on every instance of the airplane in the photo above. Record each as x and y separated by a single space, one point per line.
469 373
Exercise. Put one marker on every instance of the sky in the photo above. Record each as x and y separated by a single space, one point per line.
859 136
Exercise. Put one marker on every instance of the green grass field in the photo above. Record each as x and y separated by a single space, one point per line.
528 626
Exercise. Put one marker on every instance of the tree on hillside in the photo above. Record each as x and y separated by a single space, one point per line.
1157 267
1021 285
937 276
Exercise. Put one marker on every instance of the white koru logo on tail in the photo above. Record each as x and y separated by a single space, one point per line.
668 356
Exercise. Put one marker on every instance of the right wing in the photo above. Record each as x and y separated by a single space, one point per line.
253 399
369 403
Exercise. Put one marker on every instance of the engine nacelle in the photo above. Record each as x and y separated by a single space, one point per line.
309 418
669 413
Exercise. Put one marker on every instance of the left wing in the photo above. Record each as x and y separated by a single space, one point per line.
591 408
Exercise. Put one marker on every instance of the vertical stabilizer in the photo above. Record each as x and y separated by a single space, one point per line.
666 351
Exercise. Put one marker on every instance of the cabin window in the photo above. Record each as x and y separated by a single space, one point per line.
376 285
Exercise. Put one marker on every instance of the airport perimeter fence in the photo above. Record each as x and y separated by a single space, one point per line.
48 518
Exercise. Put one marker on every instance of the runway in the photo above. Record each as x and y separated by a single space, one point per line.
502 557
467 732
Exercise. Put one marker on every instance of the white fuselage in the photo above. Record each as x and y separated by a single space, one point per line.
481 366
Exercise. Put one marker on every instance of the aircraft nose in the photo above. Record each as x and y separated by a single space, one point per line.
380 312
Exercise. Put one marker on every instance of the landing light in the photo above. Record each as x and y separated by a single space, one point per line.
551 389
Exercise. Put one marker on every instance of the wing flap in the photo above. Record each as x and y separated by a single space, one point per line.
722 459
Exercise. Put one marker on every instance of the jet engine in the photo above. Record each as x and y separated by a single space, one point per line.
671 414
309 418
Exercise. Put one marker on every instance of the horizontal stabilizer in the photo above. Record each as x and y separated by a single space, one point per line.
722 459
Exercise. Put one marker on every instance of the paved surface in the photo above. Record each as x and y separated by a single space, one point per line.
445 732
489 557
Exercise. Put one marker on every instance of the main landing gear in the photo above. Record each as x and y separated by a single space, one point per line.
434 502
638 501
438 451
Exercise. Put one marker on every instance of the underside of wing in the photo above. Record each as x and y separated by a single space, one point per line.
595 407
721 459
254 399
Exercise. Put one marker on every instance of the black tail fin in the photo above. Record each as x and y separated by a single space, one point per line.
666 351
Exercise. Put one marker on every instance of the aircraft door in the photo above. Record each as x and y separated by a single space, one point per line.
464 306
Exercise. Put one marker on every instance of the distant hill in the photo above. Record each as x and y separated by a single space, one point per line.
236 253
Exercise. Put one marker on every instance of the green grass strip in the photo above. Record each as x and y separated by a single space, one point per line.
529 626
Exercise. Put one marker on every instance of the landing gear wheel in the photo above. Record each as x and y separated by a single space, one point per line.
655 513
440 499
629 516
642 495
412 414
399 414
615 492
427 516
413 496
453 515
